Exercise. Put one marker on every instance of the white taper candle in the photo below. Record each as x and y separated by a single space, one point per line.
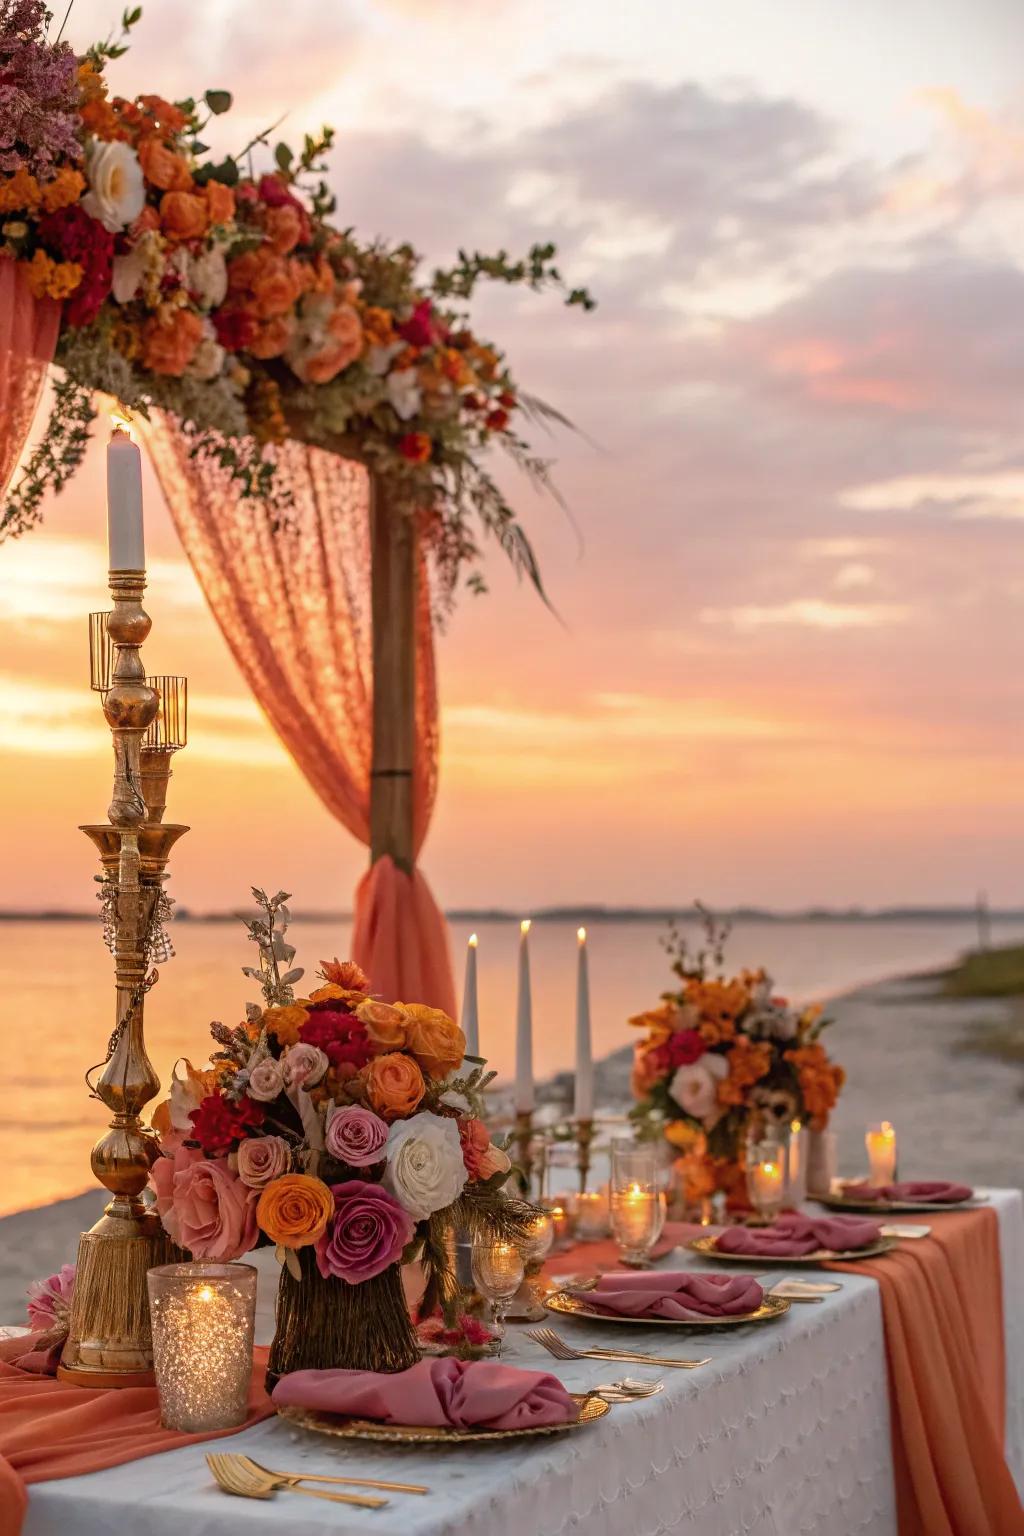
125 538
470 1015
584 1098
524 1027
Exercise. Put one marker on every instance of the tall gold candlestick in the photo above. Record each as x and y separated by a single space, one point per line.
109 1342
584 1140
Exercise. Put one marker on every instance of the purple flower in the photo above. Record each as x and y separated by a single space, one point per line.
39 120
356 1136
367 1234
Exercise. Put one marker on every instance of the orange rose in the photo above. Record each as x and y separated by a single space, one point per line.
170 338
285 1022
220 202
275 286
385 1025
163 168
394 1085
333 994
435 1040
272 337
183 215
283 227
294 1210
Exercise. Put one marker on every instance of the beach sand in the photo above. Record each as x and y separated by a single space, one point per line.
956 1115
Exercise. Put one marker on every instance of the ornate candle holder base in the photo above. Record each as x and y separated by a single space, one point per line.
584 1141
524 1150
109 1342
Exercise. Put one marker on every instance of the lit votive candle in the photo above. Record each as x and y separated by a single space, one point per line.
558 1210
203 1317
880 1141
636 1219
590 1210
766 1183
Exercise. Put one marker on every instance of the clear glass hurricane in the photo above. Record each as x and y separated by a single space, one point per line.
498 1270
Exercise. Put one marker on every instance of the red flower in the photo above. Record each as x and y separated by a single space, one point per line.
339 1035
73 236
236 329
415 446
274 192
507 399
685 1047
218 1123
497 421
420 330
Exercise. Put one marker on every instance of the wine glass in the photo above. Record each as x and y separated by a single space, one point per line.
498 1270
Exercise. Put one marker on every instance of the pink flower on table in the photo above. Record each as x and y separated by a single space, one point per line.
366 1235
266 1081
356 1136
49 1300
304 1065
261 1159
205 1207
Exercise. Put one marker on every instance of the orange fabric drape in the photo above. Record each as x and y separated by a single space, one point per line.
294 606
48 1430
942 1305
28 338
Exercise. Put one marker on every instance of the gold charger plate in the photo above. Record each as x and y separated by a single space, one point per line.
889 1207
706 1246
591 1408
574 1306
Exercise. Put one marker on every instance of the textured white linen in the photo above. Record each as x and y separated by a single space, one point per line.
786 1432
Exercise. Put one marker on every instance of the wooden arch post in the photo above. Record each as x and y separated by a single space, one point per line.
393 605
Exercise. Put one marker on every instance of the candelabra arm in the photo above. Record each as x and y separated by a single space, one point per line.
584 1141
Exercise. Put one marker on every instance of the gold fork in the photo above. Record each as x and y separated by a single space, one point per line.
556 1345
253 1485
316 1477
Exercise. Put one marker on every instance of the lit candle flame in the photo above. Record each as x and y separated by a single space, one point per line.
581 934
205 1293
524 926
472 941
121 423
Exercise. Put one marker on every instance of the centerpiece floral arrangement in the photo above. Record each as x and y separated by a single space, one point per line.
229 298
723 1057
348 1133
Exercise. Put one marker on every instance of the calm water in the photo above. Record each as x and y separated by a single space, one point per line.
56 981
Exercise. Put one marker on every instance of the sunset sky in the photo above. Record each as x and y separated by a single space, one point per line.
789 667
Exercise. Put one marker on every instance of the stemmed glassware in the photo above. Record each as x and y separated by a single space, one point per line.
637 1202
498 1270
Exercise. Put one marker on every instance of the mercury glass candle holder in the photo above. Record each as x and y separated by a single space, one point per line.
203 1318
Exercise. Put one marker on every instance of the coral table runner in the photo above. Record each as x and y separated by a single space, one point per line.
50 1430
942 1306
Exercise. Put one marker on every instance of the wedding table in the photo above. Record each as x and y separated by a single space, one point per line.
786 1431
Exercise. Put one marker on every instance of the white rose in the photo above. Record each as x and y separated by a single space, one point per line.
117 190
425 1170
207 359
266 1081
695 1087
404 393
208 278
304 1065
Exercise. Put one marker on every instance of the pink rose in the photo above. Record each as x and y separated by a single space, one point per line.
356 1136
266 1081
262 1158
695 1087
204 1206
304 1065
49 1300
367 1235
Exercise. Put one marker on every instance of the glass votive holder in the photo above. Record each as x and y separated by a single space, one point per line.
796 1150
766 1178
203 1318
637 1218
880 1141
559 1208
590 1214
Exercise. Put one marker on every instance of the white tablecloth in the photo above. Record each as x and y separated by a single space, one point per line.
786 1432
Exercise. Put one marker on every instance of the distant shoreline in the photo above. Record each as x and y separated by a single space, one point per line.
599 914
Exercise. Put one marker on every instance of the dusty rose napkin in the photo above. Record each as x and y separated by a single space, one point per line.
674 1294
462 1394
794 1236
936 1192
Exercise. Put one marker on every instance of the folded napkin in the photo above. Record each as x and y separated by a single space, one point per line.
673 1294
457 1394
937 1192
794 1236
